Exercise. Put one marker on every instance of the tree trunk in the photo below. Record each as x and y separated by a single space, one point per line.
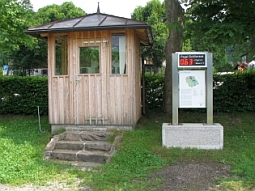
174 13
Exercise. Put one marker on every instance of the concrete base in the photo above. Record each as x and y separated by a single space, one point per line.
193 135
55 128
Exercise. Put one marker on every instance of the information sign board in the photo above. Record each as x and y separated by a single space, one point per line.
192 89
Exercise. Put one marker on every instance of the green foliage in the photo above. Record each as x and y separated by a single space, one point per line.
221 22
20 49
232 92
25 58
222 18
55 12
214 25
21 152
195 42
139 153
22 95
154 92
220 62
154 14
15 17
134 160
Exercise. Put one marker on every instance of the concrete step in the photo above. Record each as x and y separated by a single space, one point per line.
70 145
84 156
81 145
95 156
86 148
80 164
98 145
85 135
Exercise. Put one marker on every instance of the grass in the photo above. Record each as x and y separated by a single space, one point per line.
21 152
139 153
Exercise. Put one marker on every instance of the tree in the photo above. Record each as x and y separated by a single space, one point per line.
175 18
26 57
15 18
166 21
154 13
223 22
55 12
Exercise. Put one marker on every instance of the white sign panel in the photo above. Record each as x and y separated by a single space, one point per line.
192 92
5 70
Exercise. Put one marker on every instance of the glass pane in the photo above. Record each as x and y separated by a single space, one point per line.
89 60
118 54
61 55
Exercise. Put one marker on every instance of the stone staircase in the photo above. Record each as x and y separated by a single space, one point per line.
82 148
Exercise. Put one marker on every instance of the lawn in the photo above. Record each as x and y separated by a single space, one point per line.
139 153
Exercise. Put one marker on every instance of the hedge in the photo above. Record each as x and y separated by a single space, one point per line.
235 93
23 95
232 93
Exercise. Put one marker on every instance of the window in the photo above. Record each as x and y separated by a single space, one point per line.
61 55
89 60
119 54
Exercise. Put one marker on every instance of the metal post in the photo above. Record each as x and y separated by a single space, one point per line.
175 89
209 89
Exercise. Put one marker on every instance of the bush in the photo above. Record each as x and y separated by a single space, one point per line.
232 93
154 85
22 95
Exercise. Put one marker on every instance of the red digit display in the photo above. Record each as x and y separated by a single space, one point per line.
186 62
192 60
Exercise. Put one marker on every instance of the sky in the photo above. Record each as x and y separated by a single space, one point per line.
119 8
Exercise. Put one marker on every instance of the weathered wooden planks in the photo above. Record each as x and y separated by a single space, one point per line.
102 98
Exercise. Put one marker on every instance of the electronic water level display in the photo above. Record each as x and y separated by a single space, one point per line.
191 60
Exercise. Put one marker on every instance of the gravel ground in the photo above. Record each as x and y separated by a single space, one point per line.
51 186
190 176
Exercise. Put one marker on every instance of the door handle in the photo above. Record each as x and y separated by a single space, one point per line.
77 79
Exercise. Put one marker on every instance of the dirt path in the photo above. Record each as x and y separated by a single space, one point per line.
51 186
191 176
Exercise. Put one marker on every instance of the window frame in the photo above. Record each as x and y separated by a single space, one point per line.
66 56
99 59
118 65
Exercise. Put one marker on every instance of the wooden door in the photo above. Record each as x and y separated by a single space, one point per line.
90 81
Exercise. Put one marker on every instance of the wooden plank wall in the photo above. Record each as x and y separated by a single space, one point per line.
89 88
58 90
137 80
95 98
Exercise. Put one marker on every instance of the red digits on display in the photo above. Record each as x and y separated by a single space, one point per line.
183 62
186 62
191 61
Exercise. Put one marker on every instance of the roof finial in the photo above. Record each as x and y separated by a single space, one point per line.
98 9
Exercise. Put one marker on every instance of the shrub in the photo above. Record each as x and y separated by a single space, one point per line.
232 93
154 85
236 92
22 95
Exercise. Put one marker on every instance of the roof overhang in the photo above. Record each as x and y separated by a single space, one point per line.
96 21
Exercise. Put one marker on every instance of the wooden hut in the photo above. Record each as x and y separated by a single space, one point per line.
94 70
